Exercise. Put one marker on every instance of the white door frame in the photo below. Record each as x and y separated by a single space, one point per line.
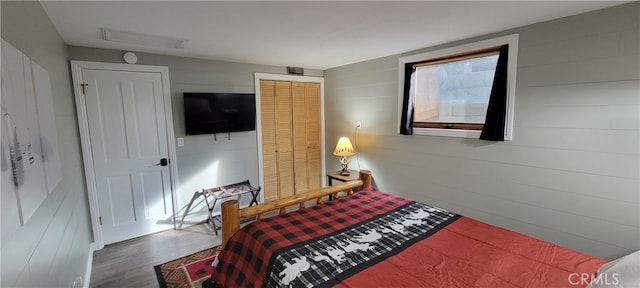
292 78
83 125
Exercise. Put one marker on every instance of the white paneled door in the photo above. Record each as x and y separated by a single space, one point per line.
127 127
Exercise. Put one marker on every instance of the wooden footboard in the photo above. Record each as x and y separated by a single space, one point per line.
231 212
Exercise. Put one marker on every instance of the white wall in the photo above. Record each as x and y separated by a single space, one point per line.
202 162
52 248
571 174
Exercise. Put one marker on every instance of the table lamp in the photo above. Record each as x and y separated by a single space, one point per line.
344 149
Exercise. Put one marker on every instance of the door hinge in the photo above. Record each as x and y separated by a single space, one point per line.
100 218
83 86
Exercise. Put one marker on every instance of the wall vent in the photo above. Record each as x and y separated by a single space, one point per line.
295 70
142 39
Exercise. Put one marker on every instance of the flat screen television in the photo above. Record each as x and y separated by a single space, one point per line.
208 113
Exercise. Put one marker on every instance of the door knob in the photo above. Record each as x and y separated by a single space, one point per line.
163 162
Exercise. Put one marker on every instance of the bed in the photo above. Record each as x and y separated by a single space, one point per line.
375 239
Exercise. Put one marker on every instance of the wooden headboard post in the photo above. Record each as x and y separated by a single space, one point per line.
365 177
231 212
230 219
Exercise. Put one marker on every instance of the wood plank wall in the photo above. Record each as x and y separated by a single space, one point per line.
571 174
51 249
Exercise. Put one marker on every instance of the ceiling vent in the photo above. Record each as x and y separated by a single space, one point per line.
142 39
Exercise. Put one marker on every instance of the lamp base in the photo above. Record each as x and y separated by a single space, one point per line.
345 172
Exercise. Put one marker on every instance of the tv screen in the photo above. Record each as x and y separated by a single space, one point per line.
207 113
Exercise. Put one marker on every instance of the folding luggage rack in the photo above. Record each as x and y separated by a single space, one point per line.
215 194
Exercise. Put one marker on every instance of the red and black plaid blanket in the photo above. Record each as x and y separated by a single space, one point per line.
320 245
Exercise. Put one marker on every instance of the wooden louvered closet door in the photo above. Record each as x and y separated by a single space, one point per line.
306 139
291 151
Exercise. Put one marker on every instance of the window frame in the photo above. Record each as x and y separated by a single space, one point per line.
511 40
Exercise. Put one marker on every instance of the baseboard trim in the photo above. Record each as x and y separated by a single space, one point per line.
87 273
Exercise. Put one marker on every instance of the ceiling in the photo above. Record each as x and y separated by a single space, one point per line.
309 34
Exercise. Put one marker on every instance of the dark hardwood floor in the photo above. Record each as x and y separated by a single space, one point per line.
130 263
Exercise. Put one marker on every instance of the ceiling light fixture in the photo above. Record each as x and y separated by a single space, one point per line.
142 39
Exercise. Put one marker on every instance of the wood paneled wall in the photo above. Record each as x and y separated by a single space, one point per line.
571 174
52 248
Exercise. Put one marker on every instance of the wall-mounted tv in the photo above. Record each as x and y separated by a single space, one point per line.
208 113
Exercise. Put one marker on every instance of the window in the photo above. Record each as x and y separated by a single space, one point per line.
448 92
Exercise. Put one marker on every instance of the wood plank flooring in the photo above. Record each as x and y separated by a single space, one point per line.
130 263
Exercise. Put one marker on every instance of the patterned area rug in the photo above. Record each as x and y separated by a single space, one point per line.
187 272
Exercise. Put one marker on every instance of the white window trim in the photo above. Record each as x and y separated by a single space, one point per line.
512 40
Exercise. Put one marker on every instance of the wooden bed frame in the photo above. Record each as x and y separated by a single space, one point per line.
231 212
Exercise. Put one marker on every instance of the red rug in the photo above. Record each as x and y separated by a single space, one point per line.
187 272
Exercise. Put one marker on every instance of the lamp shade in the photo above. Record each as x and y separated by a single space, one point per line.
344 148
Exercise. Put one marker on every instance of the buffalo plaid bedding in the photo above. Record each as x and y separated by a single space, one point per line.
320 245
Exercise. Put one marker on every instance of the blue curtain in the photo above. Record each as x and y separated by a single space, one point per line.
495 120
